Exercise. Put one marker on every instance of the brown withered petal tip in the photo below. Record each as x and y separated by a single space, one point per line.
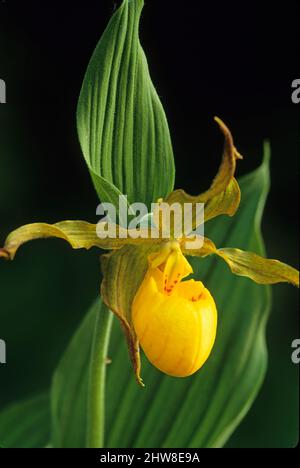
4 254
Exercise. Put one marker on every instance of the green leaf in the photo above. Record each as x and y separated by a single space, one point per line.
77 394
121 123
26 424
204 409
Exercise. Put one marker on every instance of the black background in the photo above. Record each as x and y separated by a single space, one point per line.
235 60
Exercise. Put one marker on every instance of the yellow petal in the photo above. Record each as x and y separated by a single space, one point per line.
223 196
172 263
176 331
79 234
259 269
175 268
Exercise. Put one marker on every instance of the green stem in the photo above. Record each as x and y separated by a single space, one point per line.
97 378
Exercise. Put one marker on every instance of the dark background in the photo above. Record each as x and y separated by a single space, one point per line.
235 60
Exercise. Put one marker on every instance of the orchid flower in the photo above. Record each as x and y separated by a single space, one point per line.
173 319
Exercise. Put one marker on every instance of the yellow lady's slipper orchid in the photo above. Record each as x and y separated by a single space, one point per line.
175 321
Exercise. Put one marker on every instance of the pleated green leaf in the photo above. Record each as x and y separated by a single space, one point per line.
70 388
26 424
121 123
79 379
202 410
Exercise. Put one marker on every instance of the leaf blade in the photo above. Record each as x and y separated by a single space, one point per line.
121 123
69 402
26 424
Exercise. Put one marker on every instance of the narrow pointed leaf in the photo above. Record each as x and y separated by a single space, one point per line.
121 124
